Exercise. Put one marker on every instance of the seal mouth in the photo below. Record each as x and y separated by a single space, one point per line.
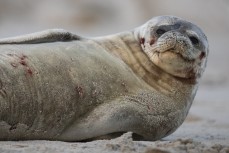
176 64
180 51
176 53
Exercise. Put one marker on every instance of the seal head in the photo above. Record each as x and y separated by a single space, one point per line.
176 46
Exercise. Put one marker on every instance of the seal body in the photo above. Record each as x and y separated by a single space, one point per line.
78 88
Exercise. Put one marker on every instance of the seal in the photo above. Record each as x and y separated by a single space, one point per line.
56 85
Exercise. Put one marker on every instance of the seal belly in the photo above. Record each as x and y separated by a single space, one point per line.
45 87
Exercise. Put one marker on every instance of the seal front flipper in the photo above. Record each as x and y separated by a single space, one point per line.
113 117
51 35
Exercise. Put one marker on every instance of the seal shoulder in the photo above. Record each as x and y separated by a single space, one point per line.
46 36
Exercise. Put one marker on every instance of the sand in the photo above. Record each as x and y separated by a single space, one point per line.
206 128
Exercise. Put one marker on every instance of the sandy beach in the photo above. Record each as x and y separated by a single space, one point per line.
206 129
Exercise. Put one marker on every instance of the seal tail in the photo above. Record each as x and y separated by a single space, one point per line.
47 36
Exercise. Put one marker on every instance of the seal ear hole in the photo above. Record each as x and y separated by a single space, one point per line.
160 31
194 40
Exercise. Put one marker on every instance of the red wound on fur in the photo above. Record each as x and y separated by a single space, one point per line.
29 71
142 40
22 62
23 57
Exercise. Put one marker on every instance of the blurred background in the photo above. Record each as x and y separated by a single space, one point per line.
103 17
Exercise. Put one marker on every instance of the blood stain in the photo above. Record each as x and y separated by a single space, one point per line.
29 71
22 62
142 40
23 57
80 91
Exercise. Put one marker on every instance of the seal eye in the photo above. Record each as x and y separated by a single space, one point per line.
160 31
194 40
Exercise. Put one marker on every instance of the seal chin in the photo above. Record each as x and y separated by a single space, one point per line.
175 64
173 61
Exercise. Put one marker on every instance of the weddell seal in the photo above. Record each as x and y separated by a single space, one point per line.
56 85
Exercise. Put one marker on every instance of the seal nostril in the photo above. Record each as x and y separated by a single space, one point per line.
160 31
194 40
202 55
152 41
